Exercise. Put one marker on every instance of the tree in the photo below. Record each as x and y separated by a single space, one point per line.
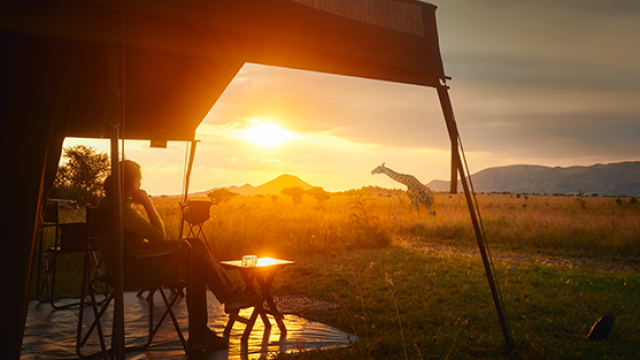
319 194
221 195
295 192
81 176
85 168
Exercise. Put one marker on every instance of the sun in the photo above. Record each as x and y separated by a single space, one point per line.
267 134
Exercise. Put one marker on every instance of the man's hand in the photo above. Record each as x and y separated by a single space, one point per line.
140 196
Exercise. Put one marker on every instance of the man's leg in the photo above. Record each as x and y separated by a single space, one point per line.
206 267
198 307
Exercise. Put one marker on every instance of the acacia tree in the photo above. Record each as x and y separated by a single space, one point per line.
221 195
81 176
319 194
295 192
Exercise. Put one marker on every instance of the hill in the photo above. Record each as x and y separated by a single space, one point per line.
272 187
614 179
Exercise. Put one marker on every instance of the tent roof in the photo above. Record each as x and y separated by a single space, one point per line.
180 56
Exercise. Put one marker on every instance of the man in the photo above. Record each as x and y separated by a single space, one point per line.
146 234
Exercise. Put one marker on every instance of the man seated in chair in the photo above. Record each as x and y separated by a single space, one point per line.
147 234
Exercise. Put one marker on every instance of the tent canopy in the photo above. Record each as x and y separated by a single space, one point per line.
180 56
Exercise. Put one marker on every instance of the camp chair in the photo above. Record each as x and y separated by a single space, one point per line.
51 219
195 213
70 238
152 271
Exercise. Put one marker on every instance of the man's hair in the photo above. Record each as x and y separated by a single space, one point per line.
131 172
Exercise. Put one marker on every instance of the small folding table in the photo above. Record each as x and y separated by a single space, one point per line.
264 272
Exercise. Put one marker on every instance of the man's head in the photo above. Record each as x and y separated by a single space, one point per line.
132 177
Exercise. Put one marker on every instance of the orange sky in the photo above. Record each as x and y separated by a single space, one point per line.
551 83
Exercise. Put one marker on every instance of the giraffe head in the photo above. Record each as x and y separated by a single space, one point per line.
378 170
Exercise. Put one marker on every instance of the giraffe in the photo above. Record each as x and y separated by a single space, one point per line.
416 191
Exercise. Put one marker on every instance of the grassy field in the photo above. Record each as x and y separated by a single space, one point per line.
365 251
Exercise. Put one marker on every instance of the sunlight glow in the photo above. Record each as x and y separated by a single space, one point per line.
266 261
267 134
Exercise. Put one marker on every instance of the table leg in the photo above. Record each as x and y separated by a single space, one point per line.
266 293
249 276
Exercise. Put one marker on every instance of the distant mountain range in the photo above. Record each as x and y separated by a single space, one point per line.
272 187
615 179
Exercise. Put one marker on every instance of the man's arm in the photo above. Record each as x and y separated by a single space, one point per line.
151 229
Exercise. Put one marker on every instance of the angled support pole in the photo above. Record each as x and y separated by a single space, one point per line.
447 110
187 180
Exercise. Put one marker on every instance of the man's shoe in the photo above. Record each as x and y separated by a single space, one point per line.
241 299
208 341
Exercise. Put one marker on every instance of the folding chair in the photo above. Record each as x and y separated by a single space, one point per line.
150 271
196 213
70 238
51 219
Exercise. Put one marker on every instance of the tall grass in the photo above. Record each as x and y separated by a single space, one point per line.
545 225
560 226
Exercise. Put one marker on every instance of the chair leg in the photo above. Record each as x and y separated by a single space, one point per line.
44 286
42 261
169 302
97 315
97 274
50 274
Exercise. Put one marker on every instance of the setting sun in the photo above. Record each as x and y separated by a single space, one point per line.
267 134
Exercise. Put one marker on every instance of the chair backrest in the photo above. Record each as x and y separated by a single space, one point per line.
100 222
74 237
51 213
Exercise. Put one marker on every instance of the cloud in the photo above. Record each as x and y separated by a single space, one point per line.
544 80
358 110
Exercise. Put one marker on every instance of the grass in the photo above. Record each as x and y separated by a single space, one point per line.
403 302
446 309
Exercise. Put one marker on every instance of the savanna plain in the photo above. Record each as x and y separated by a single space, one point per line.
414 287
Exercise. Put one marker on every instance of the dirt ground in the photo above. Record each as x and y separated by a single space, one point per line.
606 265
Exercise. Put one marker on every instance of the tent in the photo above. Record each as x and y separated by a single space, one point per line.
153 69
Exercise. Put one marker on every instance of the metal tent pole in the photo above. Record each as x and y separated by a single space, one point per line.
192 155
447 109
117 342
118 311
112 128
187 180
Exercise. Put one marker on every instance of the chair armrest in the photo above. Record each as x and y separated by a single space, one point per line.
155 249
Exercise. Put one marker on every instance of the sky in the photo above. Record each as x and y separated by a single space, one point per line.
553 83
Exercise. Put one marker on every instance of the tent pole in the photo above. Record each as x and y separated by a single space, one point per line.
192 155
118 132
118 276
187 180
455 164
447 109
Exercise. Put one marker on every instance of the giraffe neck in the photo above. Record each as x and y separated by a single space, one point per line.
401 178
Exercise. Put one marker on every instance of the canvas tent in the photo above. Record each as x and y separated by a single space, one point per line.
74 68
